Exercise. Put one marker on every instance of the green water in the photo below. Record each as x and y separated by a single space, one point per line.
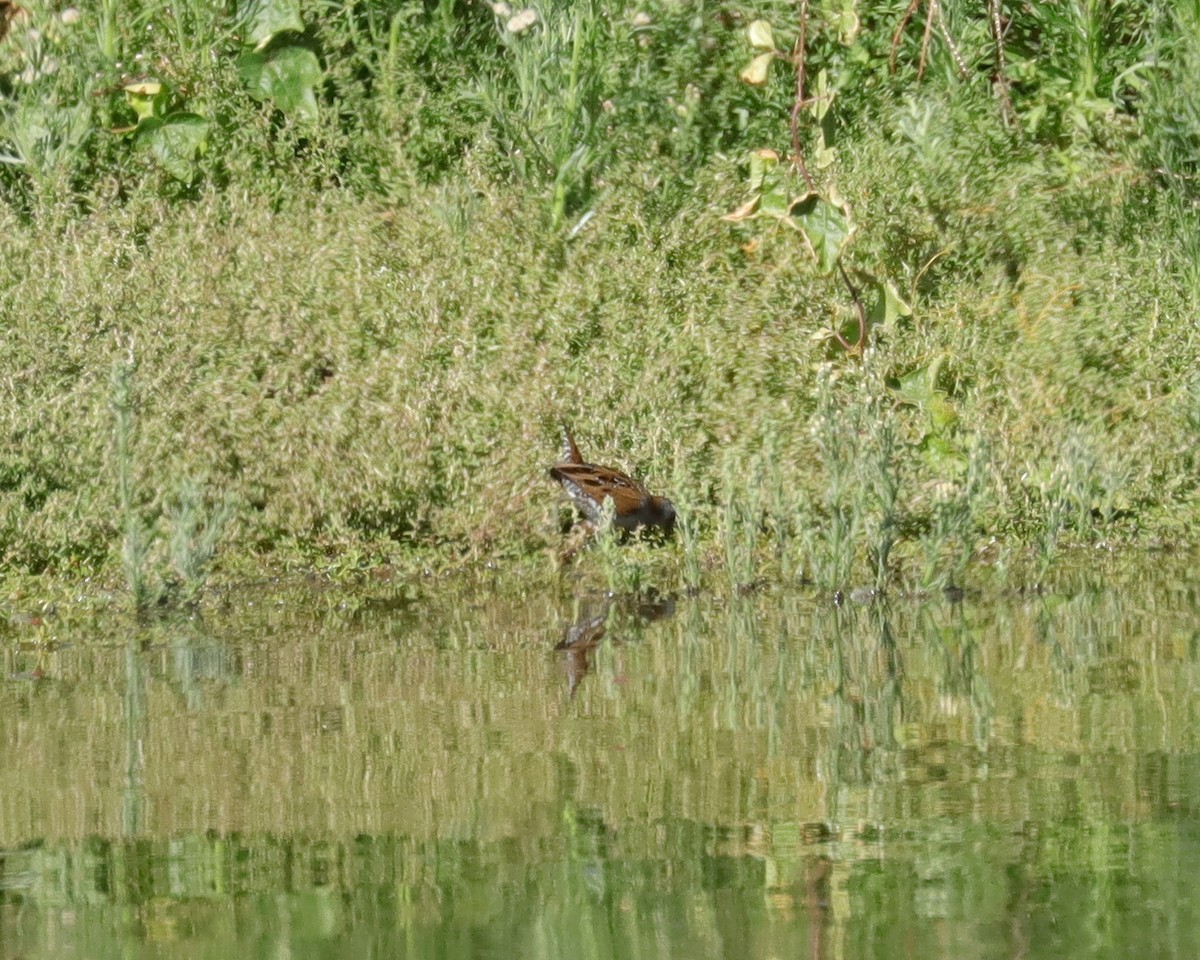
301 775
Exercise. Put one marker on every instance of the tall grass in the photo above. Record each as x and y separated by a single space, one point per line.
352 324
135 540
546 105
193 529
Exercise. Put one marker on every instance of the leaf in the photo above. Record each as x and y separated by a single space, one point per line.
826 223
822 99
776 202
755 72
745 212
763 163
762 37
286 76
824 156
522 21
263 20
943 454
174 142
927 387
890 306
148 98
845 21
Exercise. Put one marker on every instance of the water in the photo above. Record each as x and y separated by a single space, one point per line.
764 777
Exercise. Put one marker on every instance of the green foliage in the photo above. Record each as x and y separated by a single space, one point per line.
192 528
377 248
546 104
135 544
856 509
1074 63
286 77
263 20
174 137
739 521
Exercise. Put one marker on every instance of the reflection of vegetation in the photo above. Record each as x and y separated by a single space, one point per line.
680 797
596 891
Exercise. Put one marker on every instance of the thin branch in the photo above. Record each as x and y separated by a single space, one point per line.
908 15
933 14
1007 114
859 345
929 12
800 103
959 62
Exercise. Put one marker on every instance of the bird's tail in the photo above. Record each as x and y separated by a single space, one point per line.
570 452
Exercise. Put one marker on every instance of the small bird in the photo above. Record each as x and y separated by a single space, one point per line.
589 485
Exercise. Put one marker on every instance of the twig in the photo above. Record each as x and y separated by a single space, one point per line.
959 62
799 103
929 11
1007 113
859 309
933 14
908 15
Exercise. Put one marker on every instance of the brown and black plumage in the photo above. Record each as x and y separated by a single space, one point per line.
590 485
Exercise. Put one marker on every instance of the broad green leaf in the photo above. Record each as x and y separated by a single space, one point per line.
844 19
762 164
286 76
826 223
823 94
148 98
764 186
755 72
776 202
926 387
265 19
887 306
175 142
762 37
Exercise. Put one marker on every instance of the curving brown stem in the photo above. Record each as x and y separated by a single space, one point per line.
899 32
860 344
799 103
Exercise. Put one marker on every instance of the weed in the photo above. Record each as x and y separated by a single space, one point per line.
625 573
193 533
192 529
687 526
547 127
952 536
831 535
379 405
135 542
740 520
783 504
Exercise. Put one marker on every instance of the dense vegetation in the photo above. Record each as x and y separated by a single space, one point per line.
292 283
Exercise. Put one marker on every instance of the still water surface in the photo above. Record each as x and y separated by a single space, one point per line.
298 775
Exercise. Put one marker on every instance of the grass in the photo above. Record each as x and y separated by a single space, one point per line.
386 399
353 338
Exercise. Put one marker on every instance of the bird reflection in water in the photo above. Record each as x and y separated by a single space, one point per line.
592 625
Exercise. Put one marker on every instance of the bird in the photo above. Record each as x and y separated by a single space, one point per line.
589 486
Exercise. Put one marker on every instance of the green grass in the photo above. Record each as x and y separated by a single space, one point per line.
350 338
